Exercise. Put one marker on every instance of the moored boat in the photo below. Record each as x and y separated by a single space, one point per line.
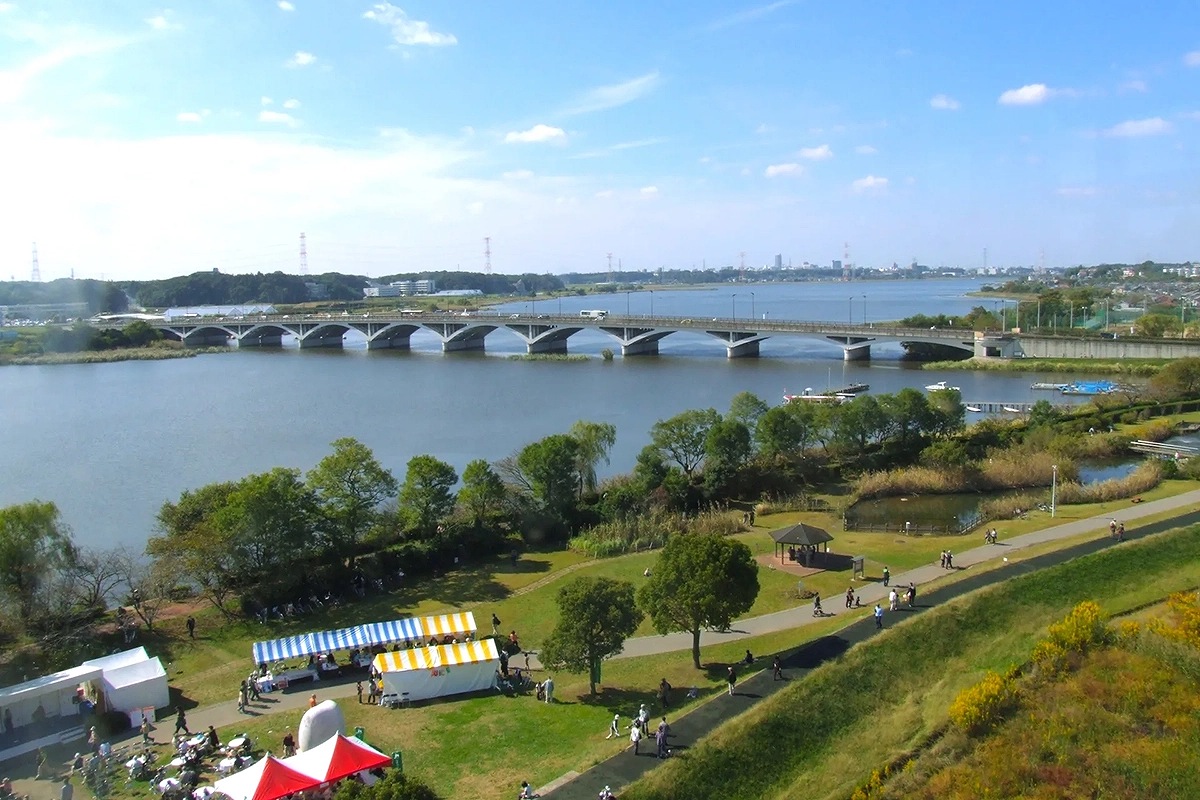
941 386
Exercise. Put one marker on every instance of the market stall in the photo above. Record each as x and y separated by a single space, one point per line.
133 683
307 644
268 779
338 757
426 672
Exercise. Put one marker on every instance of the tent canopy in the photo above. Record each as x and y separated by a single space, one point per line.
268 779
446 655
134 674
448 625
801 534
119 660
67 680
397 630
336 758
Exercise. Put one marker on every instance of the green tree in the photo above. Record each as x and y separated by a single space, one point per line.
482 493
395 785
1179 379
1042 413
268 521
747 408
34 545
139 333
350 484
595 440
595 617
907 414
198 547
700 581
547 469
426 497
727 442
787 428
857 424
946 413
1156 326
682 437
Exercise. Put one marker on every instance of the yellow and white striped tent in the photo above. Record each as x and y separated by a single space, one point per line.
425 672
448 624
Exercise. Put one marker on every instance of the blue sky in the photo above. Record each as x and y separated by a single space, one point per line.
142 140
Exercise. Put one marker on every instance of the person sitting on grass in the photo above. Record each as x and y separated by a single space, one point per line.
526 791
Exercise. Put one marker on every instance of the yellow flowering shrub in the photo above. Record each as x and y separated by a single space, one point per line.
980 707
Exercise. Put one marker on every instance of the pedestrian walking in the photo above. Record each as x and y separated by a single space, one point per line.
850 597
312 700
635 736
358 691
548 688
731 679
660 738
893 600
776 669
949 560
495 624
289 744
614 727
145 729
191 627
1121 532
1112 528
942 562
878 616
39 759
887 576
817 612
664 693
67 792
643 719
180 722
242 698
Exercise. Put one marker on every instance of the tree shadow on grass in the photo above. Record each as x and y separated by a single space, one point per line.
619 701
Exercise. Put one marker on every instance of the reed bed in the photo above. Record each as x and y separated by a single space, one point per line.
1142 479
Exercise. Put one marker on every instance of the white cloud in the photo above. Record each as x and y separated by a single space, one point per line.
16 81
764 128
517 175
291 104
1192 59
1131 128
277 118
605 193
266 101
1029 95
614 95
4 7
869 184
776 170
1133 86
820 153
538 133
284 5
944 102
865 150
749 15
191 116
302 58
407 31
648 191
1077 191
159 22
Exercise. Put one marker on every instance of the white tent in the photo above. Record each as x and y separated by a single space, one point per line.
425 672
132 681
55 695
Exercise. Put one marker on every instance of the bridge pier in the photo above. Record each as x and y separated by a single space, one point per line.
862 353
267 340
389 343
211 340
462 345
311 342
645 347
746 349
548 345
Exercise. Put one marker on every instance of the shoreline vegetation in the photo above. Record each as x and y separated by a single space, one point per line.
111 356
1140 368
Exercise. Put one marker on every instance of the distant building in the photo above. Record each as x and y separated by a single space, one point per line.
401 289
837 265
316 291
778 261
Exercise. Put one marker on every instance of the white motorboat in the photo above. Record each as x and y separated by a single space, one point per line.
974 409
941 386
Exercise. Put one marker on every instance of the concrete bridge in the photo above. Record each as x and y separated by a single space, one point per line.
636 334
542 333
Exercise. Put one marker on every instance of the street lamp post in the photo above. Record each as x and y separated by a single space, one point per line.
850 310
1054 490
1182 310
752 316
627 302
1039 317
733 304
864 297
651 302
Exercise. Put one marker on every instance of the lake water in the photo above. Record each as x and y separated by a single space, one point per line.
109 443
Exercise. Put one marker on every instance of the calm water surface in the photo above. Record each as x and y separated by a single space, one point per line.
110 442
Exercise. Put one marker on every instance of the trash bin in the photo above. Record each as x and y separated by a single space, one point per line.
398 760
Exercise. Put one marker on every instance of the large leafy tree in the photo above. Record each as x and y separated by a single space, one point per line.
595 440
547 468
701 581
857 424
350 484
747 408
595 617
199 548
786 428
682 438
426 498
1179 379
34 545
908 415
482 493
268 521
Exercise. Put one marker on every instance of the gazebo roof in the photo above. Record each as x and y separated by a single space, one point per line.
801 534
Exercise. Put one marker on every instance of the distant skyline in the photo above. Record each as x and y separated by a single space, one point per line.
145 140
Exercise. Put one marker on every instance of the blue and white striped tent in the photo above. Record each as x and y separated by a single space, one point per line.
398 630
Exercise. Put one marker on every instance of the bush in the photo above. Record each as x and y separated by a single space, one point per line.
649 531
981 707
1011 506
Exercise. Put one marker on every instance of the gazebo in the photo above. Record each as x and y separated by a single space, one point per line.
800 542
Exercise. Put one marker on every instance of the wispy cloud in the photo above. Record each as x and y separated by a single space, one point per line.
749 15
944 102
538 133
406 31
865 150
191 116
1133 86
277 118
819 153
648 191
1033 94
871 183
780 170
600 152
1192 59
4 7
1133 128
301 58
284 5
291 104
517 175
159 22
17 81
614 95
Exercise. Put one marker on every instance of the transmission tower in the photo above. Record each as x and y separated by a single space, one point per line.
303 255
742 266
847 270
487 255
36 273
610 267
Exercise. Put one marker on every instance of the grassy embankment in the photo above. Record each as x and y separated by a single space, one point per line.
1126 367
156 353
822 736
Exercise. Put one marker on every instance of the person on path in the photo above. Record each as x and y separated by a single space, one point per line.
893 600
93 740
145 730
289 744
1121 532
887 577
180 722
614 727
526 792
643 719
850 597
776 669
878 616
77 763
495 624
817 612
548 687
67 792
949 560
660 738
191 626
242 699
912 593
312 700
39 759
358 691
1112 527
635 736
664 693
942 562
731 679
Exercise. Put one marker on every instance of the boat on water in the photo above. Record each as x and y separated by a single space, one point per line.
807 396
974 409
941 386
1052 387
1090 387
1013 410
854 388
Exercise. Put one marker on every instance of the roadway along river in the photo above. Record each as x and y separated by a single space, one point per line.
110 442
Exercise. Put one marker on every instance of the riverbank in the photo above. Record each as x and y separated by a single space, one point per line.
1134 367
110 356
